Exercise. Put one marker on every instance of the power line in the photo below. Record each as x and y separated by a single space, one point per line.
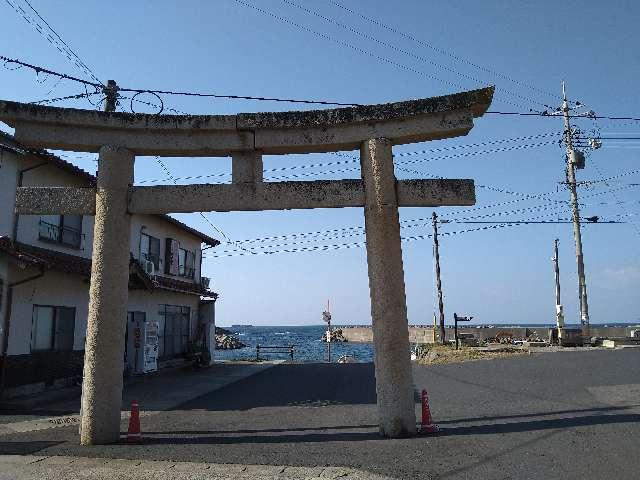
60 44
39 69
82 63
478 144
400 50
405 224
481 152
358 49
441 51
238 97
68 97
412 238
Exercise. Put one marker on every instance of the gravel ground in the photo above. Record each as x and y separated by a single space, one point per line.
557 415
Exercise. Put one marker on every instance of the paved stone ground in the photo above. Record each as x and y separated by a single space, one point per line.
559 415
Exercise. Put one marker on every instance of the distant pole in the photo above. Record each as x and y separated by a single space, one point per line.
557 271
326 316
435 329
559 313
572 160
111 96
455 328
436 256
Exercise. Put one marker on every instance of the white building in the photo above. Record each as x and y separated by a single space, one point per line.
45 265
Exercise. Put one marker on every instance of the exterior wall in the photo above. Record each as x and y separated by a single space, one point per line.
58 289
28 225
208 320
49 175
4 280
148 302
8 182
157 227
53 288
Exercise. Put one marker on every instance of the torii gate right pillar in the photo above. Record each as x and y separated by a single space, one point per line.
394 379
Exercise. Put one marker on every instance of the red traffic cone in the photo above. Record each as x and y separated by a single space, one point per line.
427 425
133 434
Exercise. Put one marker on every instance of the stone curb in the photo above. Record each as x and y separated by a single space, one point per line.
32 467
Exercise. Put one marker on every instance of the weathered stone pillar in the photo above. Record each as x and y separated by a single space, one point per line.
246 167
108 295
394 380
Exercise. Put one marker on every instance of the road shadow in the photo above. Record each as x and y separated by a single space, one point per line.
333 433
537 414
288 385
265 439
25 448
256 431
545 424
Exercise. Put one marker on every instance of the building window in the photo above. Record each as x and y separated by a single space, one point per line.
150 249
174 330
53 328
63 229
186 263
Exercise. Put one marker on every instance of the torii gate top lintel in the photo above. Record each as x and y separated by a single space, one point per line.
304 131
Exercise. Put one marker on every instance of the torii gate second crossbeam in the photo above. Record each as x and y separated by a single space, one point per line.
119 137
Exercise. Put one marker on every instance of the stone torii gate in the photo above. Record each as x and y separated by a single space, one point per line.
119 137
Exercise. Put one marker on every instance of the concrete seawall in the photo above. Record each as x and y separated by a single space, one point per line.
421 334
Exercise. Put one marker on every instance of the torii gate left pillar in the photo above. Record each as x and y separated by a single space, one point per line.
245 137
108 299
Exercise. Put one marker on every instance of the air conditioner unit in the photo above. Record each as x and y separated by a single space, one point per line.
149 268
205 281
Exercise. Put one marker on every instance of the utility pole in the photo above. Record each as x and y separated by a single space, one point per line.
559 313
111 96
436 256
575 158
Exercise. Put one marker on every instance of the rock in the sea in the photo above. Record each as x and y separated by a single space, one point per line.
336 336
228 342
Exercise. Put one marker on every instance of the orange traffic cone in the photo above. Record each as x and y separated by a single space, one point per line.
133 434
427 425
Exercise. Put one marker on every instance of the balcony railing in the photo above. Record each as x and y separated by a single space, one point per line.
67 236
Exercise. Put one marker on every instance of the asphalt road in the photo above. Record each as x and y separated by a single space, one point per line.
558 415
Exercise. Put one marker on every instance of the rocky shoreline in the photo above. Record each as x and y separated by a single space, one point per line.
336 336
225 340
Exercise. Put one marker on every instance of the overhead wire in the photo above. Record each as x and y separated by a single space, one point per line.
442 51
60 44
395 48
39 69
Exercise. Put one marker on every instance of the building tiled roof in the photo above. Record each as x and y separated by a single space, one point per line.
7 141
46 259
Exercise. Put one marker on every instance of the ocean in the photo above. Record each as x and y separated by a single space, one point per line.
307 344
306 341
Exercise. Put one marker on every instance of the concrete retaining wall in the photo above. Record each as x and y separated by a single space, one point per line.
419 334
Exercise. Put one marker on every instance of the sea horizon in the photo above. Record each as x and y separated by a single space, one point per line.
472 325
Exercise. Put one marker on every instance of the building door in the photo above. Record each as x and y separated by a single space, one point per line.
174 331
134 340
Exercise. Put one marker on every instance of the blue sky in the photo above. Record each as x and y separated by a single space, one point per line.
501 275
